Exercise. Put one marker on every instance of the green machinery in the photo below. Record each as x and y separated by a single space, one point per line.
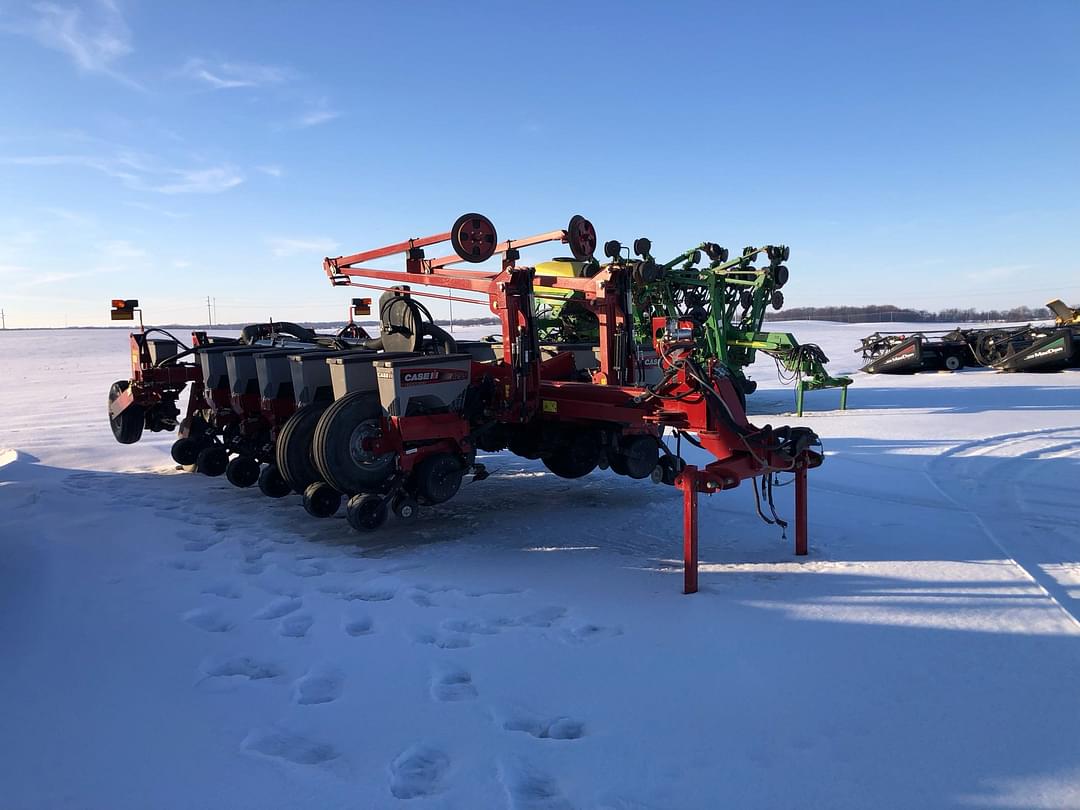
724 300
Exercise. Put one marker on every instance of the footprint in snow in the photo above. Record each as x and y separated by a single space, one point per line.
494 592
226 590
418 771
184 565
209 619
358 626
279 607
295 625
444 641
544 617
555 728
200 545
279 744
241 667
370 593
452 684
529 788
583 634
320 685
421 599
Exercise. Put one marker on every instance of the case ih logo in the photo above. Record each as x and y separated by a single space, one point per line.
647 362
428 376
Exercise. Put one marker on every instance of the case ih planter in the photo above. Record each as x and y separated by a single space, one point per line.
394 423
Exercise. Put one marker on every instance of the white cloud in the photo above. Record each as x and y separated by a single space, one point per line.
272 170
998 273
94 35
282 247
153 209
72 217
141 173
181 264
201 181
230 75
319 113
120 250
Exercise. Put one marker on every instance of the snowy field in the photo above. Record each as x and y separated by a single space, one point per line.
172 642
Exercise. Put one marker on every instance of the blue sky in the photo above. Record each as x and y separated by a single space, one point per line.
923 154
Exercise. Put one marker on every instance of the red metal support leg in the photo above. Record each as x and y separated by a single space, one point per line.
688 483
800 510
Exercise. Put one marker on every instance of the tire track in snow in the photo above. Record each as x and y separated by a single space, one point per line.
1032 571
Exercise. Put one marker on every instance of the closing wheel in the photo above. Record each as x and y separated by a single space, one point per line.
581 237
953 362
667 469
127 426
473 237
272 484
578 456
212 460
404 507
438 478
242 471
366 513
321 500
342 446
186 450
292 451
637 457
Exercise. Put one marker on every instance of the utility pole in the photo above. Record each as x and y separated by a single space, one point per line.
209 315
3 320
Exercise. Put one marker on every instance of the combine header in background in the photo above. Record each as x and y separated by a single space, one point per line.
394 423
1016 348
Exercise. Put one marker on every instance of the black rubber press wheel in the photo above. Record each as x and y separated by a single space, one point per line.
341 447
271 484
293 448
212 460
242 471
127 426
366 513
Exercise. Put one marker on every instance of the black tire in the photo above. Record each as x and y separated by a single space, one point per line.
366 513
271 483
576 456
953 362
567 465
212 460
185 451
341 461
637 457
525 442
127 426
405 508
321 500
292 452
437 478
242 471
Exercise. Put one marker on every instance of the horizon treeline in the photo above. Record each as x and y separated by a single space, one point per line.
877 313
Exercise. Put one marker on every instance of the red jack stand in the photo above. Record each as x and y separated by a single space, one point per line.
689 480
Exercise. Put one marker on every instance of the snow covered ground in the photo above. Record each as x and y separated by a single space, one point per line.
172 642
